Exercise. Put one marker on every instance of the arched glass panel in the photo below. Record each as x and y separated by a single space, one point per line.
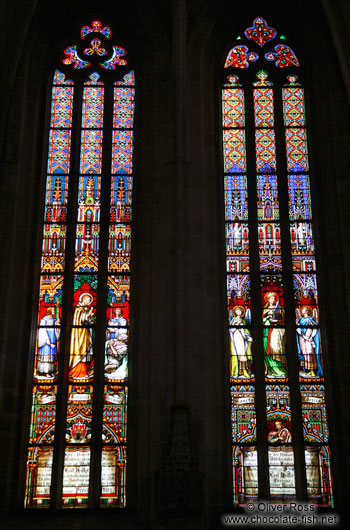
279 424
77 444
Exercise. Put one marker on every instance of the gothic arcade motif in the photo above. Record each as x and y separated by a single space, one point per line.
270 169
84 270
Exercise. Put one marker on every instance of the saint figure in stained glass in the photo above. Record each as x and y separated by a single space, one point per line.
281 434
116 366
81 350
274 337
47 344
117 320
240 344
308 342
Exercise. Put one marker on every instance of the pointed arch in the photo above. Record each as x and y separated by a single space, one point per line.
77 441
276 356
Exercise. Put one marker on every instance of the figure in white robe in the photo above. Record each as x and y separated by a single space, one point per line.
116 355
117 321
47 344
308 343
240 345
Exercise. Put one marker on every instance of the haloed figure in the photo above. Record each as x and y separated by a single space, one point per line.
308 343
273 337
81 351
240 345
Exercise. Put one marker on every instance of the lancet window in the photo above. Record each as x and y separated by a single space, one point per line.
280 439
78 424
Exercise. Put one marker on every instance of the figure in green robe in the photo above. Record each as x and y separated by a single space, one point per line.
274 337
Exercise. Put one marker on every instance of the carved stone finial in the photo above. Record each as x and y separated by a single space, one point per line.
180 484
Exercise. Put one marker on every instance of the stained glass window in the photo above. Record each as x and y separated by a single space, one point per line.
78 426
278 401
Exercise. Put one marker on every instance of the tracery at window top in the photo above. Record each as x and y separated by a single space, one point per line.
269 242
84 283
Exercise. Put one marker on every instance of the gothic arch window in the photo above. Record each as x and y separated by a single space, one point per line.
278 405
77 439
